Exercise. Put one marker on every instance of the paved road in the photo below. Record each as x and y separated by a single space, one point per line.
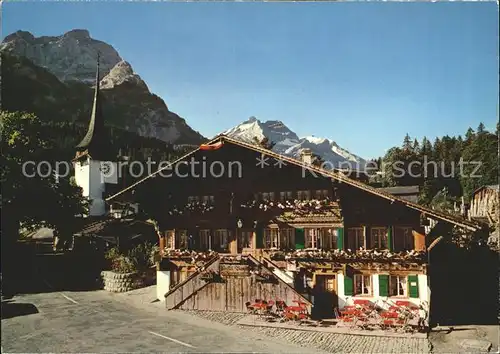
97 321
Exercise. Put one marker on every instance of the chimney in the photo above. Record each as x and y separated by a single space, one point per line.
306 156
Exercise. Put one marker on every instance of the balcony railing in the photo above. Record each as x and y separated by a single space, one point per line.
192 208
294 206
341 256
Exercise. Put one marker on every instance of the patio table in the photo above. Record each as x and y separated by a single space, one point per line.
363 302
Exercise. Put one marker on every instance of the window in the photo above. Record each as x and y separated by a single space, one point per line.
379 237
205 240
362 284
321 193
221 240
312 238
192 199
245 239
328 238
398 286
287 239
271 238
303 195
403 238
170 239
356 238
286 195
268 196
209 199
182 239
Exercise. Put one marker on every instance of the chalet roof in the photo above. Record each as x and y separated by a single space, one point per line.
494 187
128 228
401 190
334 175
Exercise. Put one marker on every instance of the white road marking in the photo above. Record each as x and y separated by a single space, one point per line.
65 296
70 299
173 340
28 336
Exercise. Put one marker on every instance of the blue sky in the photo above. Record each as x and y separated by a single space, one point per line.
362 74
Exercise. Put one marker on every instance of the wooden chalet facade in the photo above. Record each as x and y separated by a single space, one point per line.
332 238
485 205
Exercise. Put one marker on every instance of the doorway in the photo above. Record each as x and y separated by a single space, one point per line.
244 239
325 295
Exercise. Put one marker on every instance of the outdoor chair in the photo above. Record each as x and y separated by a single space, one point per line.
249 307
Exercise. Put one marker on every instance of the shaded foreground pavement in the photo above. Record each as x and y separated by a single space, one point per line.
97 321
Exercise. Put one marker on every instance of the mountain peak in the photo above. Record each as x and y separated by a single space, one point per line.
70 57
122 73
289 144
252 119
78 34
19 35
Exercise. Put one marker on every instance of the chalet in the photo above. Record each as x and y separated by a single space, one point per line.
324 235
485 203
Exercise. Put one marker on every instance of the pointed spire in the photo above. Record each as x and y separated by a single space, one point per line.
94 142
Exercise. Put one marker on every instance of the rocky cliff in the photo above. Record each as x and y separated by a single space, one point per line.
53 77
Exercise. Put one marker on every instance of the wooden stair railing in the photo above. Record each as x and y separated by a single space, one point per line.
276 270
179 293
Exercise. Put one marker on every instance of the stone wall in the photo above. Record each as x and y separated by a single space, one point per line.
119 283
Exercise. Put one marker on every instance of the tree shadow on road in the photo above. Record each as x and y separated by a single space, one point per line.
14 309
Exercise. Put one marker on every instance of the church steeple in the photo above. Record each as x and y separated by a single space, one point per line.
95 143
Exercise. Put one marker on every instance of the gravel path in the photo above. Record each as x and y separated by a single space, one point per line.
328 342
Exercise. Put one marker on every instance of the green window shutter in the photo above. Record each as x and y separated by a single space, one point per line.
383 285
389 238
340 238
413 285
300 239
348 285
259 235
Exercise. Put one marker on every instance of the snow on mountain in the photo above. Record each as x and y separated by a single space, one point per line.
289 144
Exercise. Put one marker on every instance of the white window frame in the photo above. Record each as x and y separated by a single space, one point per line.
314 236
271 238
379 236
402 284
364 279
